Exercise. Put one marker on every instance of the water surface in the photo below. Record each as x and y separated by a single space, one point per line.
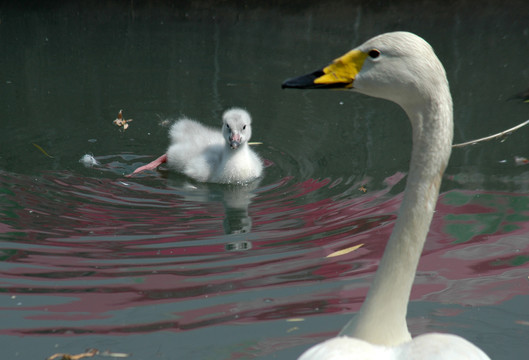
162 267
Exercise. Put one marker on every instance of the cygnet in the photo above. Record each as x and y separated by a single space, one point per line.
209 155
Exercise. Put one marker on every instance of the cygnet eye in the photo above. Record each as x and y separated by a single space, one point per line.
227 126
374 53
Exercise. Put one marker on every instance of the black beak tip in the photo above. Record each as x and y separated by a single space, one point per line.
292 83
308 82
303 81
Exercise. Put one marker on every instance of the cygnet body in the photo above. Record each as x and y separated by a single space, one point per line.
209 155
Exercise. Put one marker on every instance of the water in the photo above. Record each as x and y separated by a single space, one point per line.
161 267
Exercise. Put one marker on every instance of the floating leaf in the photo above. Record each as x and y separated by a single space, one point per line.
122 122
344 251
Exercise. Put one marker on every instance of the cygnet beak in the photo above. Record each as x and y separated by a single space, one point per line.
235 141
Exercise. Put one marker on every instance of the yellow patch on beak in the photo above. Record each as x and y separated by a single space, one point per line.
343 70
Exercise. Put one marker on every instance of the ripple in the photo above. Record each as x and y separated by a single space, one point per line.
82 254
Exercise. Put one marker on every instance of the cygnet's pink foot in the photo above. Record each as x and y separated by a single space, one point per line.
150 166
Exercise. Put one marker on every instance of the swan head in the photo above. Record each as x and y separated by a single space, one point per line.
236 127
398 66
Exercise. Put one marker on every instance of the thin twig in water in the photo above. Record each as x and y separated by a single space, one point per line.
495 136
42 150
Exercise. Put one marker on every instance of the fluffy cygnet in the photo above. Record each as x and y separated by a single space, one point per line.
209 155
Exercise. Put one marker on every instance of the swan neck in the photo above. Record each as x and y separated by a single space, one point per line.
388 297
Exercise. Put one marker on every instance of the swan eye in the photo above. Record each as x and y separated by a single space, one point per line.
373 54
244 127
227 126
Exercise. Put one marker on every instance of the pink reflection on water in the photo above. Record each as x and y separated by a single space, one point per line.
103 248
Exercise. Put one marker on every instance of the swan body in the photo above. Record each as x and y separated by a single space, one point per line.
428 346
209 155
403 68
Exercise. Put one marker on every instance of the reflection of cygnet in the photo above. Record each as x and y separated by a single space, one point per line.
235 201
209 155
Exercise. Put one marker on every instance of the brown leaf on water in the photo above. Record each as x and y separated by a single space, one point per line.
121 122
362 189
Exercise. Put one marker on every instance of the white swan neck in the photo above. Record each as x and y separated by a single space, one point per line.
382 317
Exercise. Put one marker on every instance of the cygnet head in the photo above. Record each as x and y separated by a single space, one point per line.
236 127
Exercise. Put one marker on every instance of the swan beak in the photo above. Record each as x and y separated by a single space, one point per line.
339 74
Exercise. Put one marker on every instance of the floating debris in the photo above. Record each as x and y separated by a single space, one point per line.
121 122
164 122
362 189
42 151
344 251
502 135
87 354
113 354
89 161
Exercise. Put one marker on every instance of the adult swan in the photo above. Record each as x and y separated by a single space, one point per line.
403 68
